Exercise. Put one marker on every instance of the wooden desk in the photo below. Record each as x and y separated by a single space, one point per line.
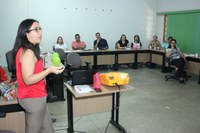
15 116
116 56
158 57
93 102
193 65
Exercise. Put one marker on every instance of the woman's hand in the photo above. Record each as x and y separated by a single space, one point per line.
56 70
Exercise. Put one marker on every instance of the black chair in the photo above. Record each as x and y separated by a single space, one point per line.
62 55
171 68
10 64
74 63
54 48
3 115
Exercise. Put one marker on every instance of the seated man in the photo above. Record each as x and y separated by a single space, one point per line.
78 44
177 59
166 44
100 42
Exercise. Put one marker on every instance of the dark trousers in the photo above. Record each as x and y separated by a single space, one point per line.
180 64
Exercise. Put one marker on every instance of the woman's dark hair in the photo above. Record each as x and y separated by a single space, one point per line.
22 40
122 36
170 37
58 39
77 35
170 43
138 41
155 36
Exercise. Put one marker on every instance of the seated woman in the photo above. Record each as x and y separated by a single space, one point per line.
154 43
122 43
177 59
136 44
60 44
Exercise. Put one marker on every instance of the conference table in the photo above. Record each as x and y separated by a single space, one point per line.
121 56
193 64
86 103
134 56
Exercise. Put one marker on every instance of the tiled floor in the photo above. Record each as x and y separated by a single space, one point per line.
155 106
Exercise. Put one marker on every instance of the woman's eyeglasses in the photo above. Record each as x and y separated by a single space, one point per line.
36 29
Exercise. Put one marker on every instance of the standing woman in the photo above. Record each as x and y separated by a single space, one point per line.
31 92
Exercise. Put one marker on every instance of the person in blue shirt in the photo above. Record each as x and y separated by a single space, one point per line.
100 43
166 44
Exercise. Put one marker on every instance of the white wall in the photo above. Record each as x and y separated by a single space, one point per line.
11 14
67 17
173 5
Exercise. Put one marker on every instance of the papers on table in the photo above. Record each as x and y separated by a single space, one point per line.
191 55
83 88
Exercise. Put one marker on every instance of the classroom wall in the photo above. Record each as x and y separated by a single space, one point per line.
177 5
67 17
173 5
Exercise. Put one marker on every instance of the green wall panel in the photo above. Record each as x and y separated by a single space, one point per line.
185 28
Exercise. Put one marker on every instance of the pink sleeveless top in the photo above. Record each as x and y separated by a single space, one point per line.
29 91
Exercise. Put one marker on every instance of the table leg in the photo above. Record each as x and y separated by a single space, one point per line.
115 113
70 128
116 65
163 64
135 64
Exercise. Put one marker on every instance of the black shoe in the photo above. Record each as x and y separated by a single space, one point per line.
182 81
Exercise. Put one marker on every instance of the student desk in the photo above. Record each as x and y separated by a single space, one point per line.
158 57
15 116
193 65
86 103
120 56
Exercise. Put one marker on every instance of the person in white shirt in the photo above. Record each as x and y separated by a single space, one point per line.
136 44
60 44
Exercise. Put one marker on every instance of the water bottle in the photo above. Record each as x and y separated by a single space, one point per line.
96 82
